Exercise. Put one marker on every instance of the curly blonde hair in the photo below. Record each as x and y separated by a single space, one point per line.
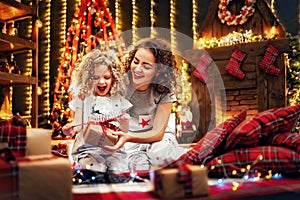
168 74
84 72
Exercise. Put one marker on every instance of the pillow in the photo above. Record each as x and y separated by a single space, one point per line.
14 136
277 159
212 141
17 120
289 140
246 134
261 127
5 122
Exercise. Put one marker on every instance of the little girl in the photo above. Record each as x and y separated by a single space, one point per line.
97 86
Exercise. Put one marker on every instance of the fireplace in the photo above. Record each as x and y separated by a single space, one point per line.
225 95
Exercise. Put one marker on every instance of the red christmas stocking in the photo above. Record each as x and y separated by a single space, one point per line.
200 71
234 64
267 63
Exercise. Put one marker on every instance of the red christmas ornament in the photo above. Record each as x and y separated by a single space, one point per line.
67 113
66 86
57 107
56 125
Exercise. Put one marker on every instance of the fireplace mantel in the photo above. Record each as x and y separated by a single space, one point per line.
268 91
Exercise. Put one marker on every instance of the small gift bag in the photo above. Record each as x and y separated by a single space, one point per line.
182 182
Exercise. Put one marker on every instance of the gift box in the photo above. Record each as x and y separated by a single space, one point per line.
28 170
182 182
35 178
45 178
38 141
98 135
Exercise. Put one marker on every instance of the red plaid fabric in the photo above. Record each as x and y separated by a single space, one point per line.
234 64
17 120
246 134
185 177
289 140
14 135
289 116
260 128
8 178
267 63
6 122
200 71
277 159
211 142
238 55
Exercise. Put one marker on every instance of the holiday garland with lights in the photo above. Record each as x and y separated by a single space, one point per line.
92 27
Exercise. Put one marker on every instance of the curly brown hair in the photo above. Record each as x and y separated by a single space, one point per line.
166 79
82 79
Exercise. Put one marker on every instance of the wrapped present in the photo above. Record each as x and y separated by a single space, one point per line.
182 182
99 135
38 141
35 177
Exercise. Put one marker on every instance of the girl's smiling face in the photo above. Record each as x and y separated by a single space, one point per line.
143 69
102 80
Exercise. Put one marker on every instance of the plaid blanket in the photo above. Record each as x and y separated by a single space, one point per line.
8 175
13 132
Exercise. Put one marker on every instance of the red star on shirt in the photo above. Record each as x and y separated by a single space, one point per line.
145 122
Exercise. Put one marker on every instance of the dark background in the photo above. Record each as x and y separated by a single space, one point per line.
287 11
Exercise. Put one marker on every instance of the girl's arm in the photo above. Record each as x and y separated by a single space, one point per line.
71 129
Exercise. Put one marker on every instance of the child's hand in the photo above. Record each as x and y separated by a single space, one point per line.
69 129
122 139
123 118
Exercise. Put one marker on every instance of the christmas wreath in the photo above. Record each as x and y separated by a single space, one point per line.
233 19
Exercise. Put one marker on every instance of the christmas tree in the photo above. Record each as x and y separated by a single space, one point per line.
92 27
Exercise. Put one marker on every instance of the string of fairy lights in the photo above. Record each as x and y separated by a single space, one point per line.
153 31
118 15
28 72
134 21
194 19
172 24
45 65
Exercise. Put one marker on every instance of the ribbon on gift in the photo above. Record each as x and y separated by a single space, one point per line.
158 182
106 123
185 177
